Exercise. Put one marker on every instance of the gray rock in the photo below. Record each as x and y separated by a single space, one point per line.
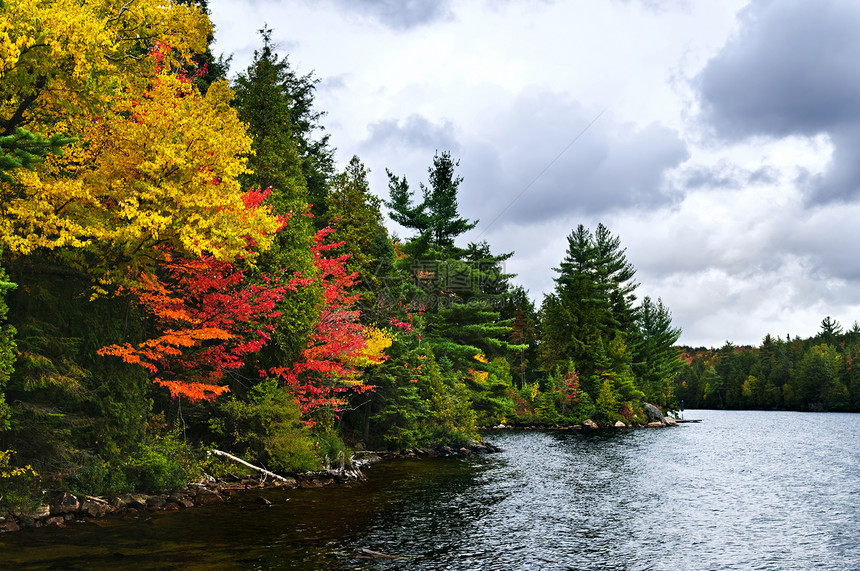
156 502
94 509
652 412
9 525
28 521
64 504
205 496
40 512
135 501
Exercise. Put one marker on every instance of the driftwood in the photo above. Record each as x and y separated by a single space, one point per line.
364 553
251 466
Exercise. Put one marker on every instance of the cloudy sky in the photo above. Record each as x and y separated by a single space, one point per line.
719 139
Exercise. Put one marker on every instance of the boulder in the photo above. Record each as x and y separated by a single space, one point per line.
619 424
134 501
655 425
156 502
588 423
652 412
64 503
40 512
29 521
205 496
9 525
670 421
93 508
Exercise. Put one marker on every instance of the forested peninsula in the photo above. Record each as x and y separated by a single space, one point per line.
185 269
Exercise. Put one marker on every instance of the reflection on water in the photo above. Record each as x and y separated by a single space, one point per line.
741 490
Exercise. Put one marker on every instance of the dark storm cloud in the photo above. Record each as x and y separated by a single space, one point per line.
792 70
608 166
400 14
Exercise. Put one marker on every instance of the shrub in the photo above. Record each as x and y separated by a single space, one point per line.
19 487
265 428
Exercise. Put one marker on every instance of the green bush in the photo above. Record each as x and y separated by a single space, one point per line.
163 463
94 477
545 409
605 407
265 428
19 487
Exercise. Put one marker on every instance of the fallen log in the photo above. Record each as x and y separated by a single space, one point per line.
249 465
364 553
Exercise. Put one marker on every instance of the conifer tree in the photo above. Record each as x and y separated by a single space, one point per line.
355 214
590 306
656 361
265 100
462 290
278 105
436 219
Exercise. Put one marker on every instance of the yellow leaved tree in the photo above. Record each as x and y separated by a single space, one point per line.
156 162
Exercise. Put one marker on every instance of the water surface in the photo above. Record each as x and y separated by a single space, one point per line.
741 490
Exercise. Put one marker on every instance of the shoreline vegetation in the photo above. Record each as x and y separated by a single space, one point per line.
60 508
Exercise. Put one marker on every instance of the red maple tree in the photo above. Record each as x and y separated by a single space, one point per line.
327 368
210 318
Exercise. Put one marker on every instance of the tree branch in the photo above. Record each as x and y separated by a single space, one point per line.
251 466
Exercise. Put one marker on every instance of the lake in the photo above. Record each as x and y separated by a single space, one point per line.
740 490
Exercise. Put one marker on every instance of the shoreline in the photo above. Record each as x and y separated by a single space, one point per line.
59 509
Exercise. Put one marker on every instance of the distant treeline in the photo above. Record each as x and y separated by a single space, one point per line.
821 373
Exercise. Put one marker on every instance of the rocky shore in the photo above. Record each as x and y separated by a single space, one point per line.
587 425
61 508
655 417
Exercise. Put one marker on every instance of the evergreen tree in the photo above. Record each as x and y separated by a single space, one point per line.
436 219
278 106
655 360
355 214
830 330
592 303
461 290
523 333
265 101
22 149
